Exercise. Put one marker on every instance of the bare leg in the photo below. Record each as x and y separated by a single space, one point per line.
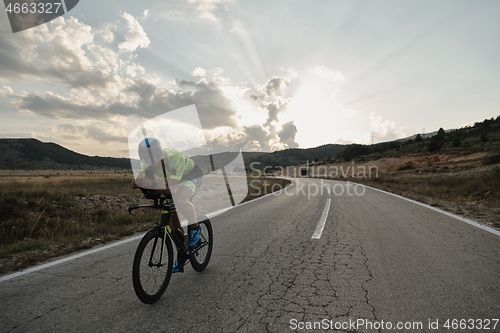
185 207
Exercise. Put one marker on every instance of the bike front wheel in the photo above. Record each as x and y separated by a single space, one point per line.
152 266
199 254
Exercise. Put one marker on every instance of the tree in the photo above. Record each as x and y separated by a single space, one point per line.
419 138
441 133
435 144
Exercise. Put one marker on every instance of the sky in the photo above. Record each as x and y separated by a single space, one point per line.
264 75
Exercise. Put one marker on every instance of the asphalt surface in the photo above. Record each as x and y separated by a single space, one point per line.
379 260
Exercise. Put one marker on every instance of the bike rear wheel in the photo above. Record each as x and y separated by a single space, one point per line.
200 254
152 267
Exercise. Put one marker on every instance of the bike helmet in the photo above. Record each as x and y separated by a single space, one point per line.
150 150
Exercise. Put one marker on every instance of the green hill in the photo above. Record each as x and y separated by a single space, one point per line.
482 135
284 158
34 154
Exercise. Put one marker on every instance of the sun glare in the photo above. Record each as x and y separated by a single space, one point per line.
314 114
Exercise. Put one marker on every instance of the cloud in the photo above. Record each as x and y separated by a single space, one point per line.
54 106
106 32
253 135
237 28
274 108
16 54
382 130
102 82
114 129
133 69
287 135
345 111
6 91
198 72
275 85
196 11
328 73
97 84
140 97
214 107
206 8
278 87
135 37
63 50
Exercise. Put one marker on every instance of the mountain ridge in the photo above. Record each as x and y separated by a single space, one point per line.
30 153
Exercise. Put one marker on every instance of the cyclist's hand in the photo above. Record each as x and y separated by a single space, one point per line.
141 182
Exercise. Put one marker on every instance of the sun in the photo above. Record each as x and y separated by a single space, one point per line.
313 110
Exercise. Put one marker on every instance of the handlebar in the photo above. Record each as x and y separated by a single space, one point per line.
159 201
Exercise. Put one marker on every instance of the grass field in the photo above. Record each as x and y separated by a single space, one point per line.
44 216
473 193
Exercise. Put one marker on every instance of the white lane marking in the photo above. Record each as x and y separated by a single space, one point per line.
475 224
124 241
60 261
321 224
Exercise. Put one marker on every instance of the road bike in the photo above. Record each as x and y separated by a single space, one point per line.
154 257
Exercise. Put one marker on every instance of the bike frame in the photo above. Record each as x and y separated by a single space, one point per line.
166 229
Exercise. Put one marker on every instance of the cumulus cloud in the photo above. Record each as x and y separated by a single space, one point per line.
383 130
103 83
134 69
287 135
206 8
328 73
267 137
255 137
274 108
255 134
275 85
63 50
106 32
140 97
6 91
198 72
135 37
278 87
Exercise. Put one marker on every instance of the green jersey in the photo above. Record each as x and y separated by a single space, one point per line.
177 165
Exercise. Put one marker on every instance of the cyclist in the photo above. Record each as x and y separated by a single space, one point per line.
181 177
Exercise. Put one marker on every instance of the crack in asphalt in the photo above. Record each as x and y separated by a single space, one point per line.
308 280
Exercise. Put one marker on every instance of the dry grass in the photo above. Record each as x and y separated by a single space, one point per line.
42 217
474 193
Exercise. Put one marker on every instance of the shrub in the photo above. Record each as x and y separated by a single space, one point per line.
406 167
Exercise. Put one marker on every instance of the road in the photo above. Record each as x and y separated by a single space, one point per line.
379 258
